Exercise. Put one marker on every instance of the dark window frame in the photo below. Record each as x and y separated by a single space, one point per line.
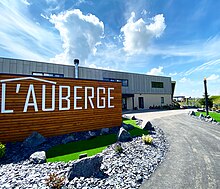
124 82
46 74
155 84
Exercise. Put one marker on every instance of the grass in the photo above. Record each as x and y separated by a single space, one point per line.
71 151
137 131
214 115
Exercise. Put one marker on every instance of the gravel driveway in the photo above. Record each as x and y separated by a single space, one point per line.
193 160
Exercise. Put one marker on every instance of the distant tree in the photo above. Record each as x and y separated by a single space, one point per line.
210 102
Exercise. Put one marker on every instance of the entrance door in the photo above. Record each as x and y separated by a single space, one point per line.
124 103
141 102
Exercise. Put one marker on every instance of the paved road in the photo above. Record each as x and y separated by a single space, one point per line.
193 160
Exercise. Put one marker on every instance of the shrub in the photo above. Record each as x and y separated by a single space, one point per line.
147 139
2 150
118 149
54 181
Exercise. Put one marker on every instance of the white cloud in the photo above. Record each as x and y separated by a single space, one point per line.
205 66
172 74
138 35
21 36
184 80
25 2
80 34
213 77
156 71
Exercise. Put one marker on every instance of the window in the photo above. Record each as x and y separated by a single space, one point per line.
157 84
162 100
47 74
124 82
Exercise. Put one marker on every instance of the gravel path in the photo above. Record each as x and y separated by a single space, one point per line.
193 160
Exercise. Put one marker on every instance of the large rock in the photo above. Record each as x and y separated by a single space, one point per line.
127 126
68 139
104 131
201 116
192 113
34 140
123 135
38 157
86 167
148 126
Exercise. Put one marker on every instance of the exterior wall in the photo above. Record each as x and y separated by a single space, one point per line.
152 99
14 66
137 83
129 103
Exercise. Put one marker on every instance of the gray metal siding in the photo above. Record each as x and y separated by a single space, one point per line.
137 83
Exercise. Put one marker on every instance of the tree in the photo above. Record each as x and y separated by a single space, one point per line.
210 102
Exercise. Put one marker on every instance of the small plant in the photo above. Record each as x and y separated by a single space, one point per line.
2 150
147 139
54 181
118 149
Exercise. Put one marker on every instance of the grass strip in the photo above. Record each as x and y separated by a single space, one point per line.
71 151
214 115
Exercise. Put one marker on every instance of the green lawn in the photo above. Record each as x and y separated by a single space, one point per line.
214 115
71 151
137 131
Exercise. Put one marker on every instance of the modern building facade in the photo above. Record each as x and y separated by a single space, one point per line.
139 91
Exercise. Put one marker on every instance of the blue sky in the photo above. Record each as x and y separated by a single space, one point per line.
176 38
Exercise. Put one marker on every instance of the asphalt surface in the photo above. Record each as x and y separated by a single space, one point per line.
193 160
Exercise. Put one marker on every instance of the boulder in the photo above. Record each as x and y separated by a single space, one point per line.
123 135
38 157
192 113
133 118
104 131
86 167
68 139
148 126
127 126
201 115
114 129
34 140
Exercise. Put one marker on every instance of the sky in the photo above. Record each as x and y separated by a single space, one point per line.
174 38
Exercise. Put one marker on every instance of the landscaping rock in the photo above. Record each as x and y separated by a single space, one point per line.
123 135
38 157
139 179
34 140
114 130
133 118
201 115
127 126
85 167
148 126
92 134
68 139
118 170
192 113
104 131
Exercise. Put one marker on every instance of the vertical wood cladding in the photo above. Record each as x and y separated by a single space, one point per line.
24 108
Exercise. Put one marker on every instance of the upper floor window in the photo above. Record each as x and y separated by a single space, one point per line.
157 84
47 74
124 82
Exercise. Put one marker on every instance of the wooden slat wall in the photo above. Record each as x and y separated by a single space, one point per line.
18 125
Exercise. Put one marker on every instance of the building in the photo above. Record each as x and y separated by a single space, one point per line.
139 91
